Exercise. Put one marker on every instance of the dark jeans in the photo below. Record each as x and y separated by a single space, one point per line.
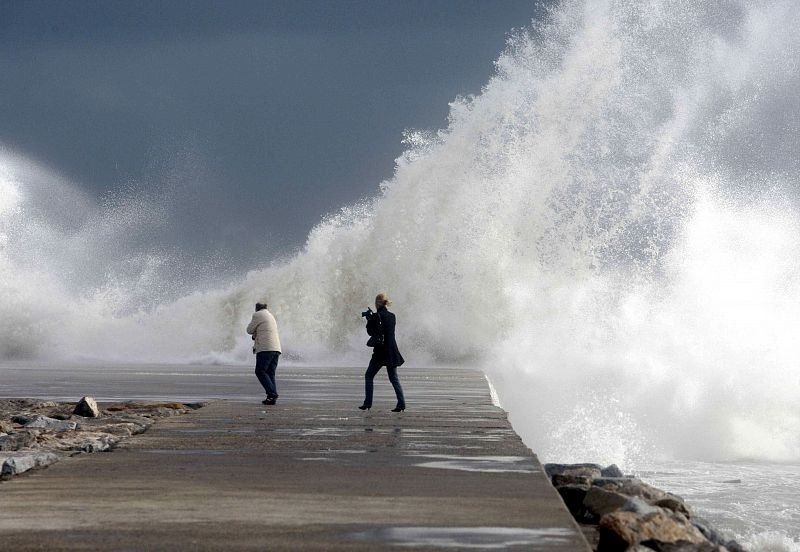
266 364
375 365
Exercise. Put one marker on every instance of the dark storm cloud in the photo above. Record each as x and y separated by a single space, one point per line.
250 119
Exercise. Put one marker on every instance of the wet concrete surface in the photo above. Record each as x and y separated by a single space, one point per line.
311 473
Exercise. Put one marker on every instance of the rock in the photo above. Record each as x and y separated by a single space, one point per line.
585 470
573 496
620 530
15 465
16 441
553 469
733 546
5 428
561 479
674 503
118 424
599 502
680 546
21 420
173 406
707 530
630 486
639 506
612 471
87 407
88 442
60 416
51 424
715 536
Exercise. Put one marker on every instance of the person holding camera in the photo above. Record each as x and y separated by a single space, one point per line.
267 347
380 327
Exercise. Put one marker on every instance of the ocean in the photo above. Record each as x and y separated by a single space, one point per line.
609 230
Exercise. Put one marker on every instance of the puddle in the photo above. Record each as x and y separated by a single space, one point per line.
487 464
485 538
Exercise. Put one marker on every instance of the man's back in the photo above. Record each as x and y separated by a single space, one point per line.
265 329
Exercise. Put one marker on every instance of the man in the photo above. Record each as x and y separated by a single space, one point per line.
267 347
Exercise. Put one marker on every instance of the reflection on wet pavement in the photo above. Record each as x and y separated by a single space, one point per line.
484 538
488 464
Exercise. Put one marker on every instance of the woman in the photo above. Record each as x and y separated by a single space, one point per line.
380 327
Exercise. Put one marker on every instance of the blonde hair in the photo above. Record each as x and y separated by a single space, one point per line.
383 300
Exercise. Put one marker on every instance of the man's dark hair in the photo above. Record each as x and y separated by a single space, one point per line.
261 306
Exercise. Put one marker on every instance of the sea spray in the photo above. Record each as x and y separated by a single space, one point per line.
608 229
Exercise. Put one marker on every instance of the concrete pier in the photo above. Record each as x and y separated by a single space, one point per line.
311 473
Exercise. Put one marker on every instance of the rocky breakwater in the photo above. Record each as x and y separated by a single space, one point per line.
36 433
620 513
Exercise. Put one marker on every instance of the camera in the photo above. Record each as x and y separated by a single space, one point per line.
367 313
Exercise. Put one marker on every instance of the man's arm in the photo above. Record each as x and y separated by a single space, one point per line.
251 327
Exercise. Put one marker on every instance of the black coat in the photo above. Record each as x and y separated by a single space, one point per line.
383 322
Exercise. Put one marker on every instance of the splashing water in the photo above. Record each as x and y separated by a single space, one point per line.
609 229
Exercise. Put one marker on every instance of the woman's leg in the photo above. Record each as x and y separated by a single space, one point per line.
372 369
398 389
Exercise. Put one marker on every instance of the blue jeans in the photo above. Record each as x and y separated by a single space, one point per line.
266 364
375 365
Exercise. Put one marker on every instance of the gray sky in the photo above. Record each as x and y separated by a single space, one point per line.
250 120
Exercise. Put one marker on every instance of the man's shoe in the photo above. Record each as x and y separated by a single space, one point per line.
271 400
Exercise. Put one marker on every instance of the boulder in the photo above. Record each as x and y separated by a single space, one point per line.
620 530
21 419
585 470
639 506
87 407
16 441
15 465
674 503
573 496
88 442
118 425
715 536
630 486
612 471
599 502
51 424
553 469
561 479
733 546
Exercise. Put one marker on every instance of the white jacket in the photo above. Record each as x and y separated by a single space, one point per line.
264 327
